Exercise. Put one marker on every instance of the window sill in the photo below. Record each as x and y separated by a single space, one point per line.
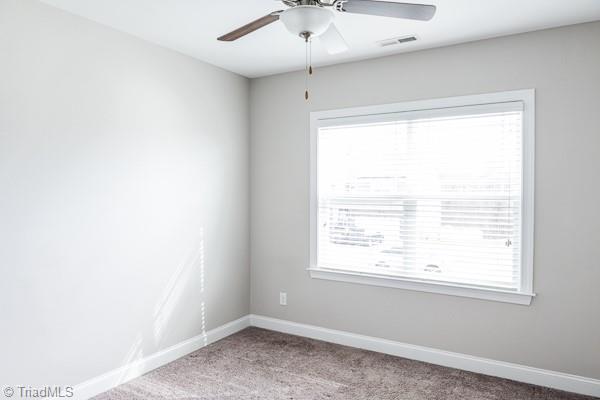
430 287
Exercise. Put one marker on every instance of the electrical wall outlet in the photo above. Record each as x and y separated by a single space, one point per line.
282 298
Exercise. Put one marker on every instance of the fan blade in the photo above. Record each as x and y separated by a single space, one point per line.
421 12
251 27
333 41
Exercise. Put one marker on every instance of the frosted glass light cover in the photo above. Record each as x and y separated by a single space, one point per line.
312 19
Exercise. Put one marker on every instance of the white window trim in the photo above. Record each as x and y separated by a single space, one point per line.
522 296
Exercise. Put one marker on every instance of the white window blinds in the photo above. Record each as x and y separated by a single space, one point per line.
431 195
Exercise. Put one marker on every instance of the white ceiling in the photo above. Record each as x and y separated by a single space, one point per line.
192 26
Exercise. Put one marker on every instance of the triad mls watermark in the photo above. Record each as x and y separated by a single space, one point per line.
44 392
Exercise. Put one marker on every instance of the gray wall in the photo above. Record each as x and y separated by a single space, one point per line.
123 197
561 329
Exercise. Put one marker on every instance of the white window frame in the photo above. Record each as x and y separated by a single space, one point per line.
377 113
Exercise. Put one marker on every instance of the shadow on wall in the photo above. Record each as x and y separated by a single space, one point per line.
163 311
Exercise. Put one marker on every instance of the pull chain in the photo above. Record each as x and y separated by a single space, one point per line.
308 65
310 69
306 69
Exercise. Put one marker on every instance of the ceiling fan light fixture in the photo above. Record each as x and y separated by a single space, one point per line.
300 20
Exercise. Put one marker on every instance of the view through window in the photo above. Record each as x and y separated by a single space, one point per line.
432 196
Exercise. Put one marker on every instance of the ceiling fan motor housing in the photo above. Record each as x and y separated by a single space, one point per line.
301 20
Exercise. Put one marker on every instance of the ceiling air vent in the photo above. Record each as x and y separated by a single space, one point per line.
398 40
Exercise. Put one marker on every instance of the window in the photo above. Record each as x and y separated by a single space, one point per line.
433 195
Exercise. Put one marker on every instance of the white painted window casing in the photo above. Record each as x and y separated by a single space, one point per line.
432 195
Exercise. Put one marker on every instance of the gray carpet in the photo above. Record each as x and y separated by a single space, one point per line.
260 364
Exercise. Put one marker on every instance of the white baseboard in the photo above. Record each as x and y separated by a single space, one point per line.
140 367
516 372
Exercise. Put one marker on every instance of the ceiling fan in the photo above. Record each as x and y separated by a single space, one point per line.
314 18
